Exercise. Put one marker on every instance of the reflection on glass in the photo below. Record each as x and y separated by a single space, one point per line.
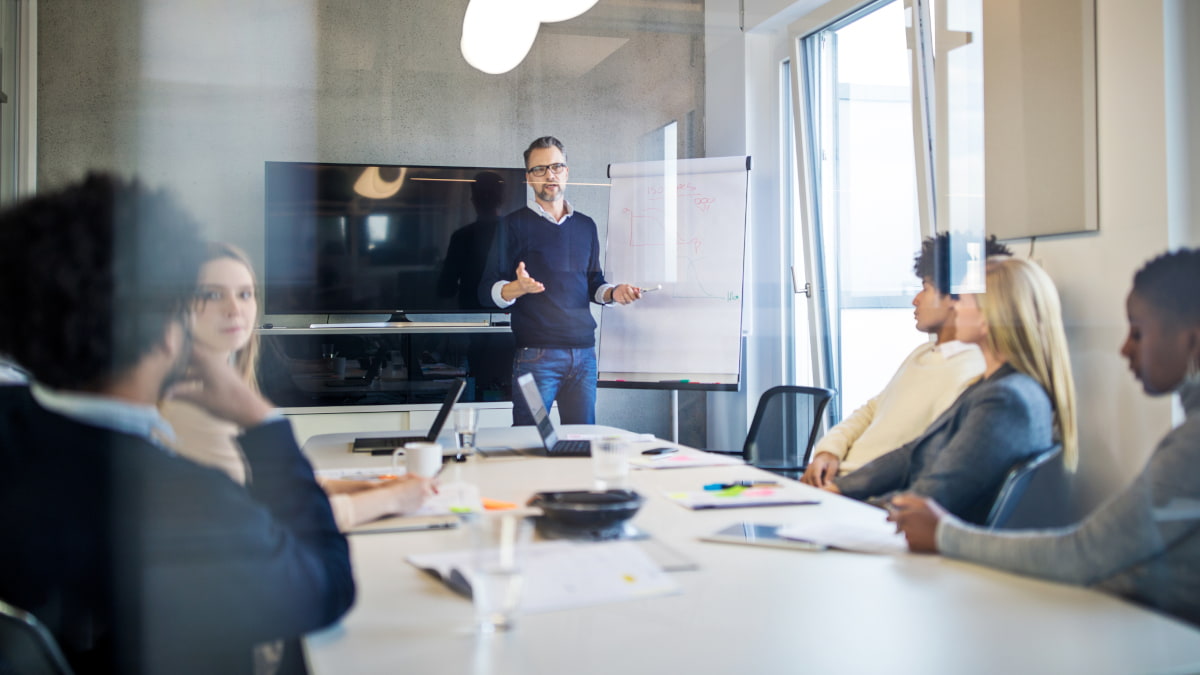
330 249
958 45
377 230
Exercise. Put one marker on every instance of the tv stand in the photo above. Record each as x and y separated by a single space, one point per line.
400 320
404 324
383 366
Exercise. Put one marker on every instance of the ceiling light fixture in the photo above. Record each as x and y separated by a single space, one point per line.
498 34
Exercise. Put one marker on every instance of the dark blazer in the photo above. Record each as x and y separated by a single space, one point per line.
141 561
962 458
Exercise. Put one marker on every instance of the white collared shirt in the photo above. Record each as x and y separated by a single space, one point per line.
536 207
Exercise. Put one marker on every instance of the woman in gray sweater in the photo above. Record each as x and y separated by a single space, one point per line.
1143 543
1022 404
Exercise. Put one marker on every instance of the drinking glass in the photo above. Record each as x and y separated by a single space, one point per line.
497 572
610 463
465 421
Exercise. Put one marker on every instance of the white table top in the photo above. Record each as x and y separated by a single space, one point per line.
747 609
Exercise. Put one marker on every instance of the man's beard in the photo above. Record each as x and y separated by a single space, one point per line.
178 371
547 196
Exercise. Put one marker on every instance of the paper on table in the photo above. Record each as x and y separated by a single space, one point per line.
739 497
623 436
564 575
682 460
860 536
361 473
414 523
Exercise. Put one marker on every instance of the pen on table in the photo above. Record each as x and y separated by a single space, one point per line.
741 483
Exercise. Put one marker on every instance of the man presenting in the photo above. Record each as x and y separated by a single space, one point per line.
139 560
545 265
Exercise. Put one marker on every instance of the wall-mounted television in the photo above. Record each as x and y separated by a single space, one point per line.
381 239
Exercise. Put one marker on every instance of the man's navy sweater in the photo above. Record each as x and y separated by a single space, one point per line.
566 259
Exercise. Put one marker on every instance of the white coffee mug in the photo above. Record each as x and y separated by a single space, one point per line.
422 459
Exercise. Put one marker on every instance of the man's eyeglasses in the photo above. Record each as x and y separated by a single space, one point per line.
539 171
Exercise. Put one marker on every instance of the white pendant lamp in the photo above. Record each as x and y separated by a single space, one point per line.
498 34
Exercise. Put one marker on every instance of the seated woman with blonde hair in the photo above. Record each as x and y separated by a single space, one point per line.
1143 543
224 318
1023 404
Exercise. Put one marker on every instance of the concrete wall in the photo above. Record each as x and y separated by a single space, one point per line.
195 95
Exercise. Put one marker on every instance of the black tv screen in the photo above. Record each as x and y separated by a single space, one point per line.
372 239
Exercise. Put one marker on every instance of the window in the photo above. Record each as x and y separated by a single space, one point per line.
861 164
890 131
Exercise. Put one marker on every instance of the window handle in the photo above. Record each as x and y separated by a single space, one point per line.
806 289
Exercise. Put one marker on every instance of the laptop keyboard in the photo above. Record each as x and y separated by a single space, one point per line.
393 442
571 449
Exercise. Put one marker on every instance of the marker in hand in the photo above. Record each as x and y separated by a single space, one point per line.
648 290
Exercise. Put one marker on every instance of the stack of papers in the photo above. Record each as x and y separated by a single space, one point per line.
595 437
363 473
856 535
739 497
564 575
683 459
441 511
415 523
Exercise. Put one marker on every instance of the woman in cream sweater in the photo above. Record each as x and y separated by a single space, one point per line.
224 318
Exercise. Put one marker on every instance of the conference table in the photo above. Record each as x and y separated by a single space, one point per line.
746 609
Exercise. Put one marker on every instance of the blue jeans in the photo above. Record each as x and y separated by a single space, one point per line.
566 374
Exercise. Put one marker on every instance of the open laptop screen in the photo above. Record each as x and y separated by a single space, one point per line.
374 444
541 417
452 396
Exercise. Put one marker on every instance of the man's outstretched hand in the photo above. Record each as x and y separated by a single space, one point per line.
522 285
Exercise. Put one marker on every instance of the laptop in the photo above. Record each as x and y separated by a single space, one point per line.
389 443
545 426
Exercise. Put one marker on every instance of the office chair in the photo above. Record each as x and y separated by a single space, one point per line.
1017 482
785 427
26 647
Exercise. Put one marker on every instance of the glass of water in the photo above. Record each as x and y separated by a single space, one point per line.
465 422
498 569
610 463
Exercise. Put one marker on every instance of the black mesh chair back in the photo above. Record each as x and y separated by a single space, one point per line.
26 647
785 427
1017 482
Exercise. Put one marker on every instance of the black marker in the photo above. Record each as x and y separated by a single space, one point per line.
659 451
